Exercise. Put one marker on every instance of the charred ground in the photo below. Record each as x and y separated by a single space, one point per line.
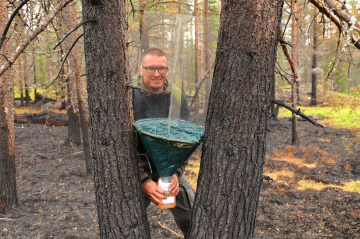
306 198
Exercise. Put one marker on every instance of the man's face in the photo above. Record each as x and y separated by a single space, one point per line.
154 82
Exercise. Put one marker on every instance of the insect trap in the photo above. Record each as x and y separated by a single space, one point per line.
171 121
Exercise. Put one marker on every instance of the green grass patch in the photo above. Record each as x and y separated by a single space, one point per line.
344 117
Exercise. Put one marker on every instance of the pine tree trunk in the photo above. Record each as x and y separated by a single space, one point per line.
207 50
117 182
314 65
8 195
26 79
233 154
197 58
74 133
294 85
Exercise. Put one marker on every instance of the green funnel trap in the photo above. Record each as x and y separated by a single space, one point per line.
169 153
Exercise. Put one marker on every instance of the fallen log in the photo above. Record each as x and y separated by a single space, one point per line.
45 117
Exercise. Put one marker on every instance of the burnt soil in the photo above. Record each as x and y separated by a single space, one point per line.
56 199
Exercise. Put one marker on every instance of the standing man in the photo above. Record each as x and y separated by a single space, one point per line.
151 99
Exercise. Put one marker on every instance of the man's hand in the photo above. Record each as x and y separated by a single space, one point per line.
174 185
152 190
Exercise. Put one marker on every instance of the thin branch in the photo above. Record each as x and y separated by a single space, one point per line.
198 85
2 38
298 112
296 19
72 30
5 57
288 57
62 64
287 43
41 27
173 232
282 76
339 14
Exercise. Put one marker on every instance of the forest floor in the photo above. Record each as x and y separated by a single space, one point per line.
315 191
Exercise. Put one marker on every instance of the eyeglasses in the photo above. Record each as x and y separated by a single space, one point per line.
151 69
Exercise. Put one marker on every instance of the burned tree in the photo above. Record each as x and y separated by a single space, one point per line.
231 170
8 195
117 185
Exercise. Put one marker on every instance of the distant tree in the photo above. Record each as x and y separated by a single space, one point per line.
295 79
232 159
8 195
74 131
314 65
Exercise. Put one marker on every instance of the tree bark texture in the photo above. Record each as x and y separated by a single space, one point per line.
314 65
117 183
233 153
74 133
197 57
75 66
8 194
295 83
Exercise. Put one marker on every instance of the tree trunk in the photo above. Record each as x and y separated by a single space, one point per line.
207 51
21 83
80 98
34 71
233 154
314 65
295 85
73 61
144 31
197 58
117 182
25 80
8 195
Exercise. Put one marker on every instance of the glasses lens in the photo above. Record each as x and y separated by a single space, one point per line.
150 69
162 70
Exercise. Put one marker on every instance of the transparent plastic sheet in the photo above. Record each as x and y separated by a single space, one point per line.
171 123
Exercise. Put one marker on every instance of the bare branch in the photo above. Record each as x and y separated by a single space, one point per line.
72 30
288 57
2 38
62 64
41 27
298 112
340 14
198 85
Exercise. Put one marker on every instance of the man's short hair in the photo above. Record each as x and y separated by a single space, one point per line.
154 52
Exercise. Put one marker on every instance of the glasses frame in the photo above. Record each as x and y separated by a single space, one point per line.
156 68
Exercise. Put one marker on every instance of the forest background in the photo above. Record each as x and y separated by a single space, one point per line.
316 39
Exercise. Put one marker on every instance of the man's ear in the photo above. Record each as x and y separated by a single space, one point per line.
140 69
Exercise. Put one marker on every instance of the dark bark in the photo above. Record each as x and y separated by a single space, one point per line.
8 194
314 65
117 185
74 127
231 170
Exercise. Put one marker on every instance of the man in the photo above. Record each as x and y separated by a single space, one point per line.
151 99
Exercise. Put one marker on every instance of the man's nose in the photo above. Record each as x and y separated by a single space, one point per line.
156 73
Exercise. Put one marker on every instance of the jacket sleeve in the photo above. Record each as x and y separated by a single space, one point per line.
181 170
144 177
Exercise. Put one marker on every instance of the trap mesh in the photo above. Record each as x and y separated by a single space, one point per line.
168 154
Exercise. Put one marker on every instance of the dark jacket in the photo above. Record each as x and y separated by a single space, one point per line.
147 104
